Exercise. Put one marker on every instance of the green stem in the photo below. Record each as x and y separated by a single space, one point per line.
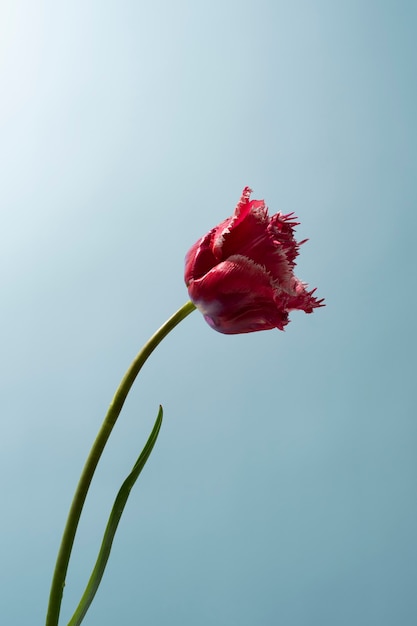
61 566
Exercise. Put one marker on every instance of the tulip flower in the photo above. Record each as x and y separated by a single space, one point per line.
240 275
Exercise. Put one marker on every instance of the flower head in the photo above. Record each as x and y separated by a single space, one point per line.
241 274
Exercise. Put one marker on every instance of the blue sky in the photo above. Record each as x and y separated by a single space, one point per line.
282 488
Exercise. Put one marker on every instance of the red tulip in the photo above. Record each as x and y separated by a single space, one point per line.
241 274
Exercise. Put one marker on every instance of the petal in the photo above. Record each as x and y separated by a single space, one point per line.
281 230
239 233
199 259
301 299
237 296
296 297
268 241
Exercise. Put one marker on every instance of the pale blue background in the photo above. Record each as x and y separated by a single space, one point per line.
283 487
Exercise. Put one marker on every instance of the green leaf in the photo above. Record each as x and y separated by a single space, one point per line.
112 524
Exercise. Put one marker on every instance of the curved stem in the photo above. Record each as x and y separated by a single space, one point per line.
67 541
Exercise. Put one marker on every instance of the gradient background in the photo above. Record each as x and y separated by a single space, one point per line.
282 489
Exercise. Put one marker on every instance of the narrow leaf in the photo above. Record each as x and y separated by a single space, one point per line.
112 524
